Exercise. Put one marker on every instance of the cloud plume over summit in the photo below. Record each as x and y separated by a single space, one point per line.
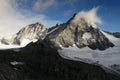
89 16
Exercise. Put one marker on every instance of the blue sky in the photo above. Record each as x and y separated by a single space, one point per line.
16 14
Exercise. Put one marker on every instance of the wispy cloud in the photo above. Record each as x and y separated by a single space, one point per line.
11 18
89 16
44 4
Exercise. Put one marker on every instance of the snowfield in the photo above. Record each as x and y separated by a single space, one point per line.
107 57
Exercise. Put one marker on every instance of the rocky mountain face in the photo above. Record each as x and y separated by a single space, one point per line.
80 33
31 32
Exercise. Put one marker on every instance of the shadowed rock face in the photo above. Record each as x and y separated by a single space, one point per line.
31 32
40 62
81 34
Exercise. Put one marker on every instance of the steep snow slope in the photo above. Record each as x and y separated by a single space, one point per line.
112 38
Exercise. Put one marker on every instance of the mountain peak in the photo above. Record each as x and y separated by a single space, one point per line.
31 32
72 18
79 31
36 24
79 20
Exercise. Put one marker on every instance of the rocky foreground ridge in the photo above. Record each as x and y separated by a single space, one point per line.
40 62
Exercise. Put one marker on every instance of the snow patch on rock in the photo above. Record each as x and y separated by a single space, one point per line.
16 63
86 36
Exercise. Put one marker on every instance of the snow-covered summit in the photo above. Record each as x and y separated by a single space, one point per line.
32 32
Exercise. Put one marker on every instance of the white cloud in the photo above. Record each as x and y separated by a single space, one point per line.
11 19
7 8
89 16
44 4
